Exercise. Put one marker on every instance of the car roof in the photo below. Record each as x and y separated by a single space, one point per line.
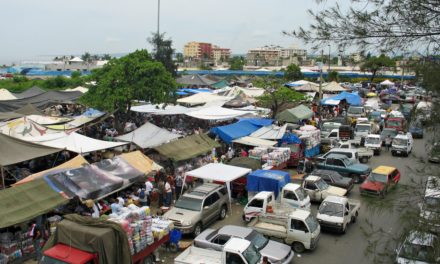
336 199
301 214
236 231
203 190
421 238
262 194
337 156
236 245
402 136
385 170
433 187
345 150
313 178
319 172
373 136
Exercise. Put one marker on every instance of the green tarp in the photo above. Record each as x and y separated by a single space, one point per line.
106 238
245 162
220 84
188 147
27 201
15 150
295 114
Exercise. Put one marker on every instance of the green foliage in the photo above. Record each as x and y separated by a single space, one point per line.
236 63
293 73
106 57
163 52
333 76
75 75
375 64
276 95
133 77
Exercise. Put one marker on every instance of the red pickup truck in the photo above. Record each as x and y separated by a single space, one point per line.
398 123
379 181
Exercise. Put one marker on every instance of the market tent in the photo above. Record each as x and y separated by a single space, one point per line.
270 132
78 121
78 89
76 162
351 98
9 115
28 109
33 91
236 90
387 83
187 147
333 87
148 136
239 129
220 84
267 180
78 143
140 162
297 83
216 113
6 95
219 172
25 129
309 87
162 109
240 100
245 162
195 90
27 201
295 114
48 120
290 138
255 142
202 98
194 80
15 150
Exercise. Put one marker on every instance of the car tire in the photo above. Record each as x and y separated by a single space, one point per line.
298 247
148 260
223 212
356 178
197 229
364 160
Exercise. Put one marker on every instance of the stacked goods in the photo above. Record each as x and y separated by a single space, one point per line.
258 152
271 156
161 227
14 246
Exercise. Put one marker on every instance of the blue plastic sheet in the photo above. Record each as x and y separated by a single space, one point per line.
267 180
289 138
351 98
242 128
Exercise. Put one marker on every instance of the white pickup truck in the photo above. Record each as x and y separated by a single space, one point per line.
318 189
236 250
335 213
292 196
300 229
374 143
364 154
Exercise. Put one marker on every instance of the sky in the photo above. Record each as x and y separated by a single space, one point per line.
34 30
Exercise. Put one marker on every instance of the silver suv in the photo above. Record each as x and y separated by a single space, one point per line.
198 208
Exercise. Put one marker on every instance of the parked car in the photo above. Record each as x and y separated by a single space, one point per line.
276 252
430 207
418 248
379 181
416 129
318 189
374 143
387 131
336 213
356 111
352 154
198 208
434 153
398 123
345 167
328 127
402 144
364 154
333 178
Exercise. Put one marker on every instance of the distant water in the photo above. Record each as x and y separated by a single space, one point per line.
19 60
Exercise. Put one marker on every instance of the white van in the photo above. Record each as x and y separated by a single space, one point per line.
430 208
402 144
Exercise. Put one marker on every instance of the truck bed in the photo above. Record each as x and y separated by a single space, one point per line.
270 227
195 255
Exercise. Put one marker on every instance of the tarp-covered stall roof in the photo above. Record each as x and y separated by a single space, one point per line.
140 162
27 201
6 95
194 80
202 98
237 130
295 114
351 98
188 147
15 150
9 115
255 142
28 109
245 162
148 136
24 128
267 180
272 132
33 91
161 109
216 113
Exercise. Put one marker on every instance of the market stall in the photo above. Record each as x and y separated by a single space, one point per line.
271 158
311 138
266 180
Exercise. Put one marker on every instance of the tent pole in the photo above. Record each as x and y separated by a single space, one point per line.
3 177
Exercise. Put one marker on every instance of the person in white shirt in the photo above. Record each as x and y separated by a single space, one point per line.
148 189
121 201
169 194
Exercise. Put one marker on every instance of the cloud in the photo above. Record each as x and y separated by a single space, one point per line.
112 40
259 34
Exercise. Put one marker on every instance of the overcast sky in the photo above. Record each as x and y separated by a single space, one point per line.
58 27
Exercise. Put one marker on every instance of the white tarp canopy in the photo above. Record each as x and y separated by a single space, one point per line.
48 120
203 98
387 82
219 172
298 83
148 136
6 95
161 110
270 132
79 89
255 142
332 102
236 90
216 113
78 143
333 87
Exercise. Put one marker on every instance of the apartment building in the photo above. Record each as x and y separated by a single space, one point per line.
198 50
265 56
220 55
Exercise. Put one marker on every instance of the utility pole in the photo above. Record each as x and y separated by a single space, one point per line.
329 59
158 17
320 84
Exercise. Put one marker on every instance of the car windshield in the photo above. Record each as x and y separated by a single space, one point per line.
257 239
363 128
378 177
432 203
391 132
301 193
372 140
312 223
322 185
400 141
393 123
417 252
329 127
332 209
435 150
355 110
252 255
189 203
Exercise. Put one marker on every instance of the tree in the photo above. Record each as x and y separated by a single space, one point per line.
385 25
333 76
236 63
86 57
163 52
132 77
75 75
276 96
106 57
293 73
375 64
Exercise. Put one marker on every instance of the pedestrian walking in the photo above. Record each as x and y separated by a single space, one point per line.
179 184
388 142
168 193
161 192
148 190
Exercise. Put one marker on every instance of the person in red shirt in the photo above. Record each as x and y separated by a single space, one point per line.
244 153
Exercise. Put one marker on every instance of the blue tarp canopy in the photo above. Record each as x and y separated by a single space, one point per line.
195 91
351 98
258 121
181 93
267 180
242 128
290 138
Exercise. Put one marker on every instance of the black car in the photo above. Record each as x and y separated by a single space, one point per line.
333 178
